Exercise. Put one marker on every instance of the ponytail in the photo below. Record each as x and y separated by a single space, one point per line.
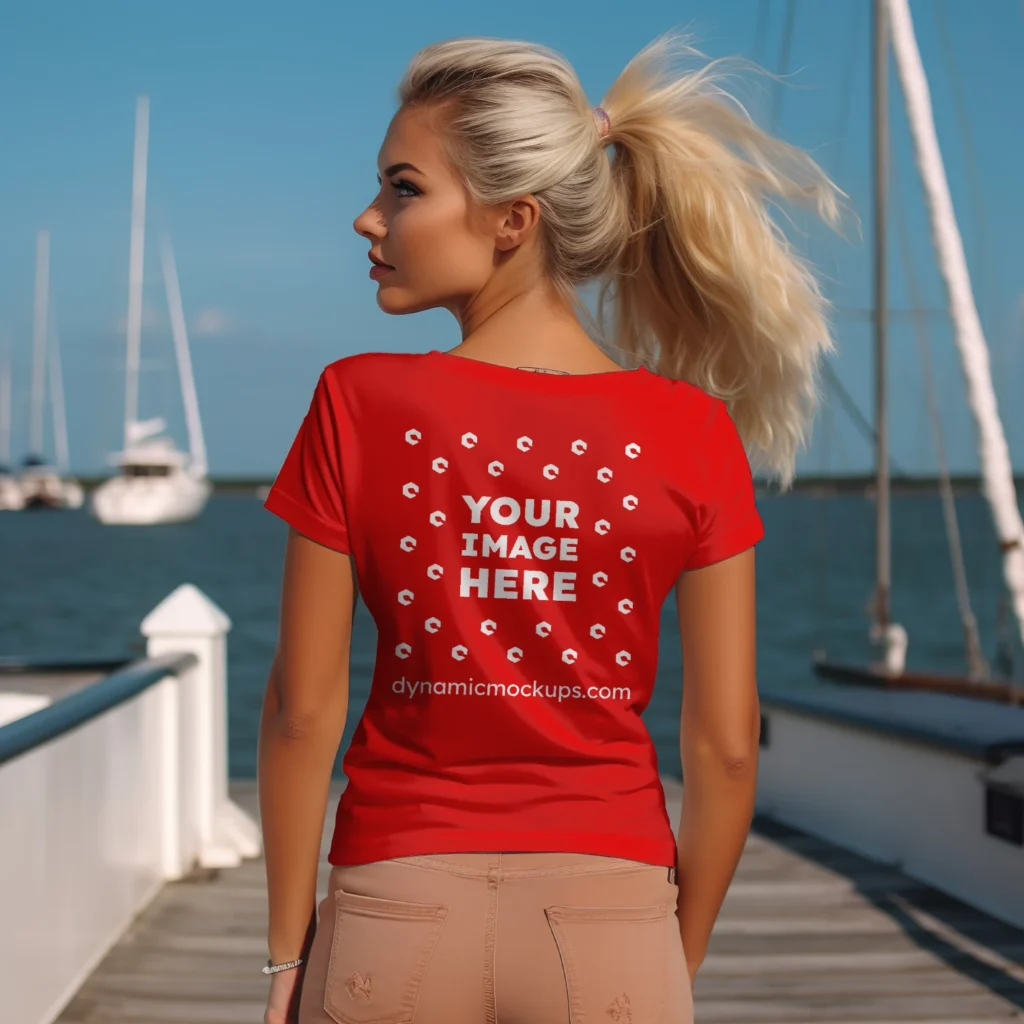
676 227
707 288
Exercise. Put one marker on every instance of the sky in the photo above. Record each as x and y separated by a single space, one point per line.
265 120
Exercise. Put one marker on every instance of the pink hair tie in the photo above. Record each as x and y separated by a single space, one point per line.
602 121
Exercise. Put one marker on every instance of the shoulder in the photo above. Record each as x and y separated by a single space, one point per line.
710 442
358 379
697 410
370 367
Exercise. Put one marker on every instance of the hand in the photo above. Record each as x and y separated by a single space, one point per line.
283 1000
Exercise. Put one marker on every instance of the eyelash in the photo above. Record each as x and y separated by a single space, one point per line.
401 184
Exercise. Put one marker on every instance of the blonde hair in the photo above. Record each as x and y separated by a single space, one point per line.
677 227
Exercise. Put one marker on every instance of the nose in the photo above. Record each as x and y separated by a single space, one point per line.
370 223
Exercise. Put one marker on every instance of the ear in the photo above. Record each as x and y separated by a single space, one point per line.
522 216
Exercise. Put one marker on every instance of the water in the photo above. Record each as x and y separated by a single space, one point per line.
70 587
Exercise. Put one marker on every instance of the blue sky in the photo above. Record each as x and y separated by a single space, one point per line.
264 127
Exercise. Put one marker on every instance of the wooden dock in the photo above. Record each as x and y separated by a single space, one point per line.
809 933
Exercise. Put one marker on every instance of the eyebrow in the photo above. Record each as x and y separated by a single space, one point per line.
395 168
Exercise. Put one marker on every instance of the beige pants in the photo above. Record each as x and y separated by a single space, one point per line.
498 938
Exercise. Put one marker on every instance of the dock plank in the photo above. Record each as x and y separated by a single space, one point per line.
808 933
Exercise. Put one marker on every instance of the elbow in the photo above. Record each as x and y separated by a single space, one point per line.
739 765
293 725
731 761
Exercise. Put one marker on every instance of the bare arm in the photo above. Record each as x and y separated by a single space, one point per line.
718 739
303 719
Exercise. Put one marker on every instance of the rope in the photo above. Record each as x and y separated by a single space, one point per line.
852 410
782 65
760 31
846 87
976 667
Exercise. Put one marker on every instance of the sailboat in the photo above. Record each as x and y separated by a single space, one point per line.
11 499
893 23
157 482
44 484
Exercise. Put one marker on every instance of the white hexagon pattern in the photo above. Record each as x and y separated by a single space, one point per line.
550 471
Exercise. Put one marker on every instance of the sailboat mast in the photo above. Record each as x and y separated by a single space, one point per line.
5 405
993 451
42 302
197 445
57 408
883 568
135 262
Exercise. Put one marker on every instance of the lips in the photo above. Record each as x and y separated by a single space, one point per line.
379 262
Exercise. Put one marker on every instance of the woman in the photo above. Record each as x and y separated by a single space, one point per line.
515 511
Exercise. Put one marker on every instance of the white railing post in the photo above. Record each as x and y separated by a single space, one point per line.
176 849
187 620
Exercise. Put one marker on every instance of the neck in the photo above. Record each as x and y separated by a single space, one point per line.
526 324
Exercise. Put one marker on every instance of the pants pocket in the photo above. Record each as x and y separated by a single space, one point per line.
379 956
614 961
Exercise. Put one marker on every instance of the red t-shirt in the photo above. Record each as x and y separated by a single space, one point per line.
514 536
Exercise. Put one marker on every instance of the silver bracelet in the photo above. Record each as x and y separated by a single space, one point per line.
271 969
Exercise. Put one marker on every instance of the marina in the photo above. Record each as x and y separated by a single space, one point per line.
880 882
883 879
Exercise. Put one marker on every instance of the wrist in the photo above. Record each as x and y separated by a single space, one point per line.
282 949
284 967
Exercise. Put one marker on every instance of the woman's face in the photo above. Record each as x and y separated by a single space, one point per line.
435 244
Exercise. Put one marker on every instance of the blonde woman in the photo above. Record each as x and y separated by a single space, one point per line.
516 510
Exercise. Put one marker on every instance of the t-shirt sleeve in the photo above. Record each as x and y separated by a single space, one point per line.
727 518
308 492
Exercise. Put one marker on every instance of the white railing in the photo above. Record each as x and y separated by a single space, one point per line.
105 795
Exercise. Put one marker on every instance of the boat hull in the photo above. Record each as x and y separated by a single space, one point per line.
148 501
49 491
11 498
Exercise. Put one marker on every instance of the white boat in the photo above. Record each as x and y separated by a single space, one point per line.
45 484
157 482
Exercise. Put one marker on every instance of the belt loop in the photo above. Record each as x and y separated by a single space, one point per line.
672 875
